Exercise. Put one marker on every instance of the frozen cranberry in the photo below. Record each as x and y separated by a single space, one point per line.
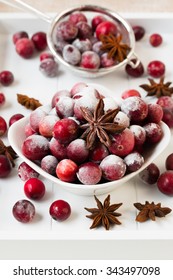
139 32
169 162
89 173
57 149
129 93
6 78
49 67
155 40
77 17
25 47
154 132
139 134
34 188
113 167
133 161
59 45
26 172
36 117
71 54
66 31
46 55
96 21
105 28
168 117
135 71
19 35
84 30
91 102
3 126
150 174
23 211
77 150
15 118
122 119
40 41
122 143
156 69
66 170
82 45
135 108
65 130
155 113
5 167
90 60
2 99
47 124
98 153
49 164
105 61
165 182
57 96
64 107
77 88
165 102
28 130
60 210
35 147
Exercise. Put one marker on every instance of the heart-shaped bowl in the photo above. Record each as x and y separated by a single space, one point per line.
16 136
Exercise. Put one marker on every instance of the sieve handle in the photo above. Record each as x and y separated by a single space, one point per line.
24 6
136 63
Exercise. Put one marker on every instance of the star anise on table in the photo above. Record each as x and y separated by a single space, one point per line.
28 102
158 89
8 152
105 214
114 46
99 125
150 211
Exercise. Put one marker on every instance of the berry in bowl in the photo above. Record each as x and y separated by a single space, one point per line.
89 149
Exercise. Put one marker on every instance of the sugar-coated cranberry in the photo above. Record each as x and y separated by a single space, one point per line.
155 39
65 130
84 30
105 61
15 118
25 172
96 20
133 161
89 173
139 134
82 45
57 96
77 151
154 132
105 28
36 117
34 188
46 55
168 117
77 88
49 164
165 182
169 162
150 174
113 167
71 54
3 126
90 60
122 119
98 153
49 67
129 93
60 210
40 41
57 149
28 130
66 30
96 47
64 107
139 32
155 113
156 69
5 167
66 170
18 35
135 71
6 78
77 17
2 99
23 211
135 108
25 47
47 124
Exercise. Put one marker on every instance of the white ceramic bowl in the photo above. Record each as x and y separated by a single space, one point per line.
16 137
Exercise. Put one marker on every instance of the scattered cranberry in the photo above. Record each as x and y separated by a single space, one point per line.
5 167
96 21
3 126
129 93
66 170
49 67
155 40
113 167
40 41
89 173
23 211
6 78
25 172
65 130
90 60
165 182
34 189
156 69
77 17
66 31
135 71
15 118
150 174
169 162
25 47
139 32
60 210
19 35
49 164
71 54
106 27
2 99
46 55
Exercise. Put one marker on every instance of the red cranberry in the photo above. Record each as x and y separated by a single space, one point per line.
15 118
40 41
165 182
168 117
150 174
165 102
71 54
77 151
46 55
57 96
156 69
66 170
90 60
135 108
65 130
77 17
19 35
96 21
139 134
98 153
60 210
155 40
25 172
57 149
129 93
64 107
66 30
23 211
2 99
82 45
155 113
25 47
36 117
5 167
49 67
6 78
113 168
49 164
34 188
28 130
89 173
47 124
154 132
105 27
77 88
135 71
169 162
139 32
3 126
133 161
105 61
84 30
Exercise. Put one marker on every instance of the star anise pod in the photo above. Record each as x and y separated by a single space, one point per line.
105 213
158 89
28 102
114 46
99 124
150 211
8 152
